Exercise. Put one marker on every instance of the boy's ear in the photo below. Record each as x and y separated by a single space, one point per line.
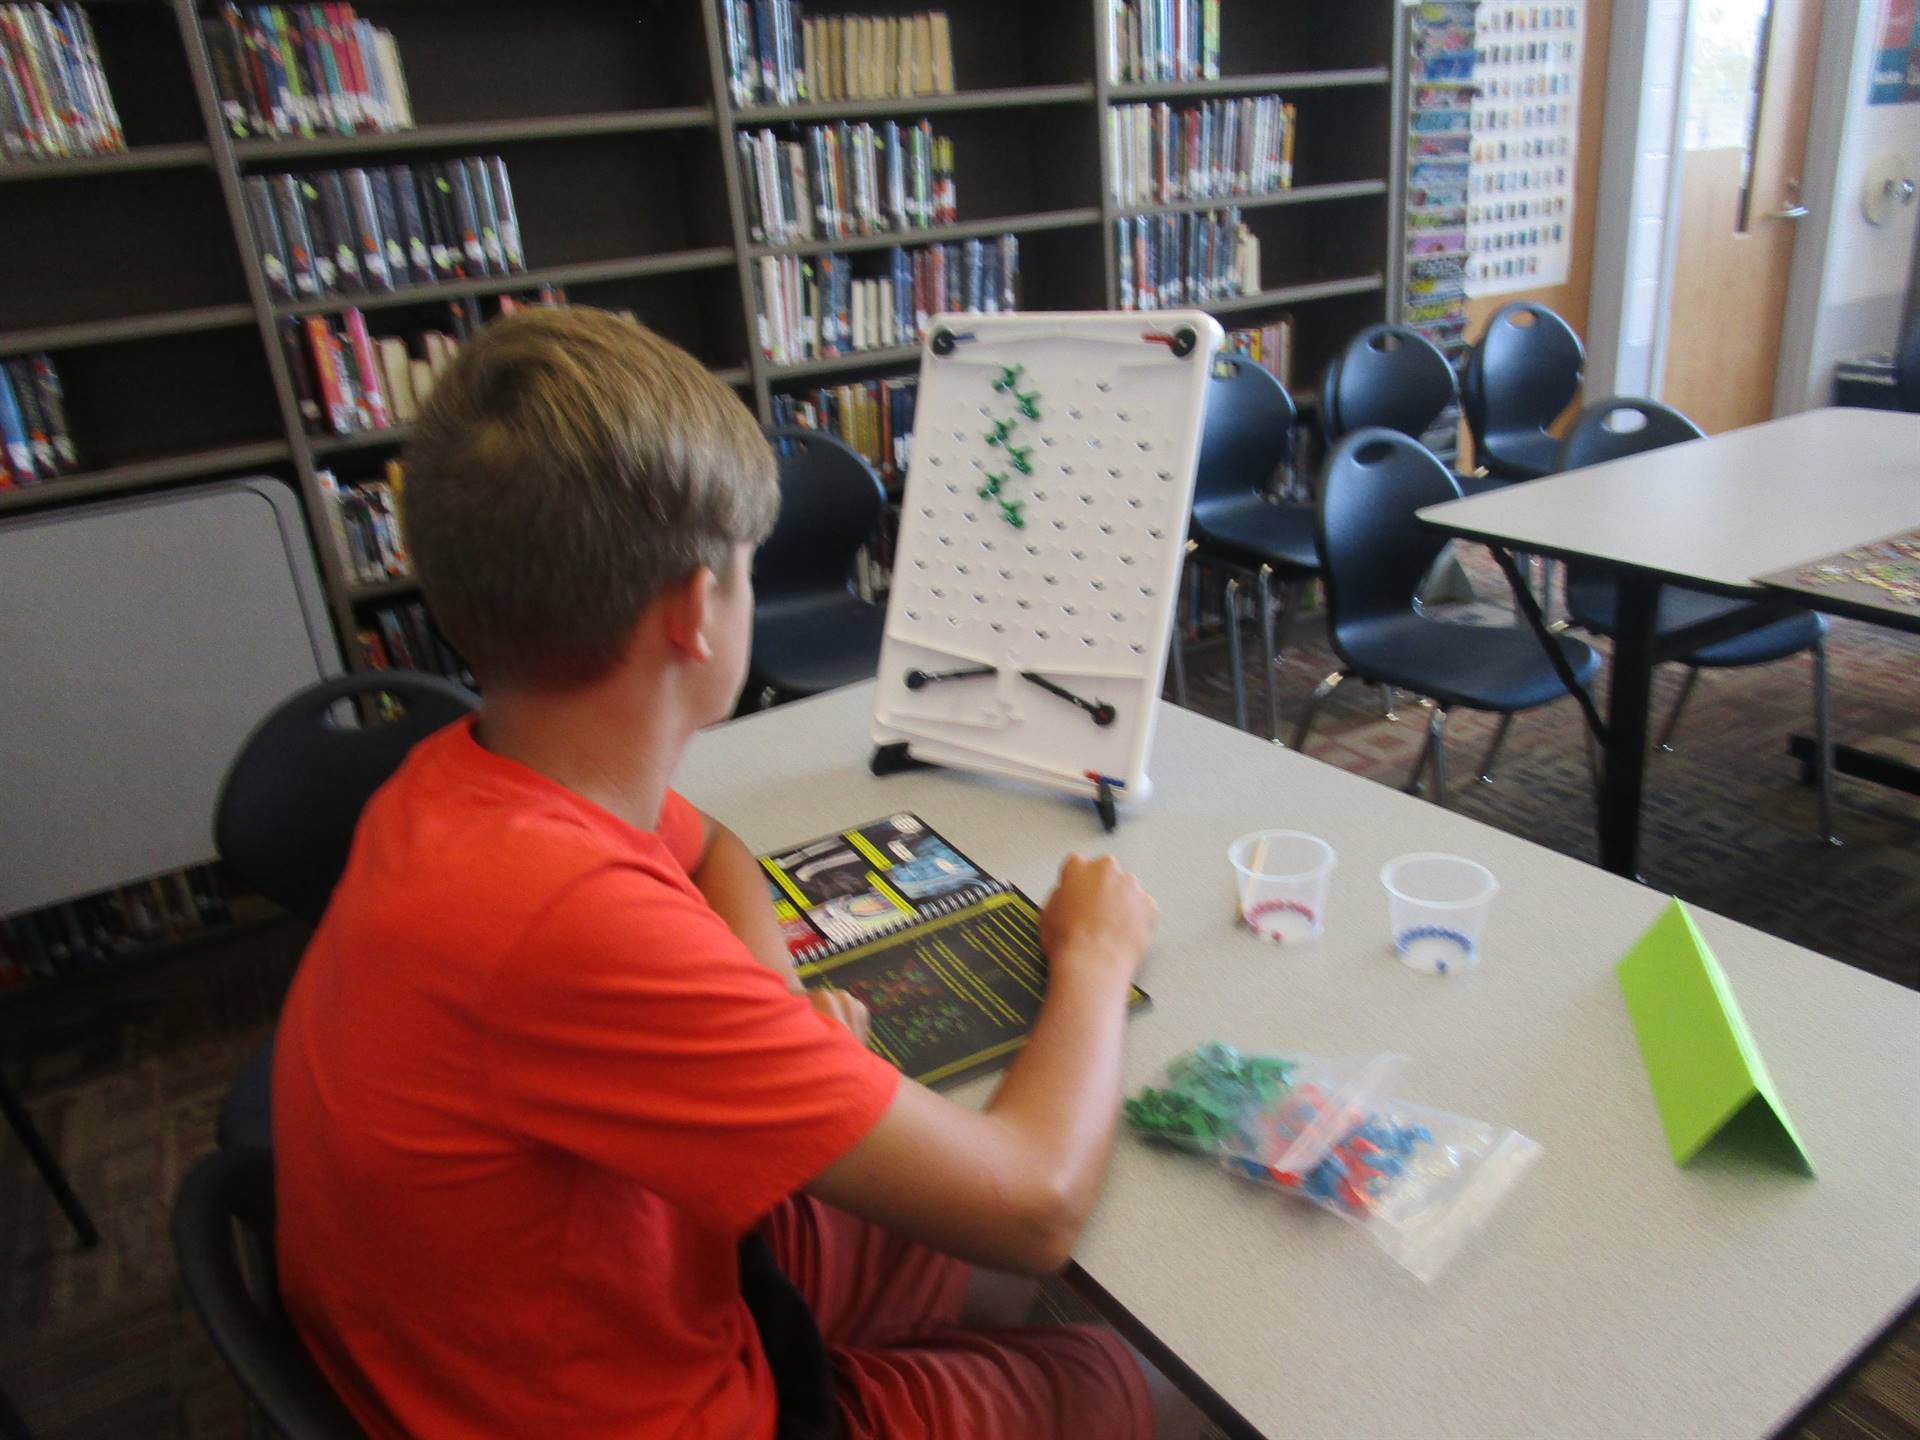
685 607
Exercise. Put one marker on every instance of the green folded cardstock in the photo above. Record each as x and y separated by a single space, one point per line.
1699 1055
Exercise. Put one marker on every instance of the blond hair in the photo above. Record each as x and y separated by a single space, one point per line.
568 467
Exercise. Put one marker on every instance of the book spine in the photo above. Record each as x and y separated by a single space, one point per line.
53 410
479 181
343 239
326 377
512 244
467 218
293 346
297 243
14 439
269 244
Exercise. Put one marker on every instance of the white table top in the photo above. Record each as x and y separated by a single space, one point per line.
1717 512
1613 1294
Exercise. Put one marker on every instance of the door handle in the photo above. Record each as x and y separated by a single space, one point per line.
1789 212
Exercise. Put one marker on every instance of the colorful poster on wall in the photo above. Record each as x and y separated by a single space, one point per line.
1526 120
1896 59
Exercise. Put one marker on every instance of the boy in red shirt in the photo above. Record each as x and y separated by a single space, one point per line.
549 1106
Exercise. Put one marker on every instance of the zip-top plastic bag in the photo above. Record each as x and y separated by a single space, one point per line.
1420 1181
1284 1111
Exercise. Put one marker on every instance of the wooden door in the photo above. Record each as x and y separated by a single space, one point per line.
1743 137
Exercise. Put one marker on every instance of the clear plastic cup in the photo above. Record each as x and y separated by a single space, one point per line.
1438 907
1283 882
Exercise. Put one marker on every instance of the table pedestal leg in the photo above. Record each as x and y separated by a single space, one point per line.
1631 685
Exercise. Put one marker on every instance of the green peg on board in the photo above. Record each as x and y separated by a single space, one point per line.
1009 377
1021 458
1000 433
1029 404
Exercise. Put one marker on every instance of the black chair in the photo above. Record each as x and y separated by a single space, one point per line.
1373 556
1906 372
1617 428
811 632
1524 371
1238 526
226 1198
285 817
1388 375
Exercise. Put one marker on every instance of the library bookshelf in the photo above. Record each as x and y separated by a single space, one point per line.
138 271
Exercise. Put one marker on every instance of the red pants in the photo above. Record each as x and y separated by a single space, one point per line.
905 1370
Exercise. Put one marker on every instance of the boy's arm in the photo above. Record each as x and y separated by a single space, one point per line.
736 887
1010 1186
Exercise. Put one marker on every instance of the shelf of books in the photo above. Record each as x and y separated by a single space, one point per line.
332 199
260 231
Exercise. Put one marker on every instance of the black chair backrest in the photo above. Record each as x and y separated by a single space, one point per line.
1248 432
1624 426
1523 373
830 504
285 817
1373 552
1906 371
1612 430
1388 375
249 1326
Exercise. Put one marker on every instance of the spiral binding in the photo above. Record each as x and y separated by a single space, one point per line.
933 910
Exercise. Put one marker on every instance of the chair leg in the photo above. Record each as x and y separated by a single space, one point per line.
1493 750
49 1167
1269 657
1177 655
1387 712
1414 779
1673 720
1823 740
1319 697
1437 744
1230 604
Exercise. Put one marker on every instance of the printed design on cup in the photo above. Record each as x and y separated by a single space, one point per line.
1439 935
1255 913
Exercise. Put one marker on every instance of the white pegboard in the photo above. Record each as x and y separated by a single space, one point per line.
1082 594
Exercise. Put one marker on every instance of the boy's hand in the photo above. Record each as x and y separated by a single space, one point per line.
839 1005
1098 914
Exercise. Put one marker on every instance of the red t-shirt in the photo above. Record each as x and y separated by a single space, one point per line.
528 1092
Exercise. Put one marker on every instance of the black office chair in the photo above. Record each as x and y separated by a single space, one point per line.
1906 371
1524 371
811 632
1617 428
1388 375
286 813
249 1326
1238 526
1373 556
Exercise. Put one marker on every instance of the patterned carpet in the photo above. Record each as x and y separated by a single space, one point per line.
125 1075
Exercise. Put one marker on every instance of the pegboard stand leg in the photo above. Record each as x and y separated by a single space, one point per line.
894 758
1109 812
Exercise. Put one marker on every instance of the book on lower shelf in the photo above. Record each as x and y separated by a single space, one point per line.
946 958
36 442
1269 346
304 71
349 381
1186 259
55 103
71 940
775 56
402 635
814 307
368 531
875 417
